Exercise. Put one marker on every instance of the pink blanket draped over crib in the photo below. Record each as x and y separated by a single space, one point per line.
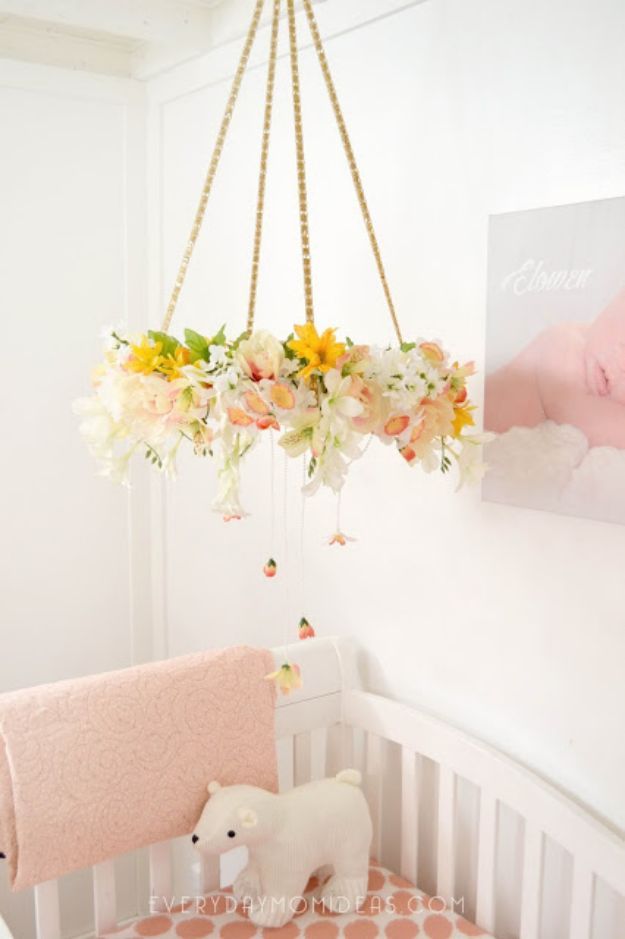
93 767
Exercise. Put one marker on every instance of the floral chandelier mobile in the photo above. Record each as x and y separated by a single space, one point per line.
326 398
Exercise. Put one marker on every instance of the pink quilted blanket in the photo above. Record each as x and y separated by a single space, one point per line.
96 766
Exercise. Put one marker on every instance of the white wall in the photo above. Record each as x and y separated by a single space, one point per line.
506 621
72 210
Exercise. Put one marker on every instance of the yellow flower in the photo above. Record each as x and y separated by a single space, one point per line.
173 363
287 678
462 418
320 351
146 357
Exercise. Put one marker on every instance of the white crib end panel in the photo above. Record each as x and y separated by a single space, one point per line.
320 662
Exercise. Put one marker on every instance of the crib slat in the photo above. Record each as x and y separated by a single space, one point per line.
487 843
47 915
285 753
347 746
409 863
210 874
104 897
582 901
318 751
4 930
445 856
301 758
532 882
373 788
160 875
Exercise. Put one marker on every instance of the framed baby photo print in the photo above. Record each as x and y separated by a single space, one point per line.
555 359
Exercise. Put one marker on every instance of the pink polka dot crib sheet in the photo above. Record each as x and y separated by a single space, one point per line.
392 909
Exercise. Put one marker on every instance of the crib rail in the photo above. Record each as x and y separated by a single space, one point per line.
595 851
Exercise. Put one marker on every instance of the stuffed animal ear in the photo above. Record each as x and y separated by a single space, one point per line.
213 787
249 818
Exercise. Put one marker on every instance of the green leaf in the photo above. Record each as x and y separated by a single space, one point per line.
237 342
349 342
219 339
288 352
407 346
197 344
169 343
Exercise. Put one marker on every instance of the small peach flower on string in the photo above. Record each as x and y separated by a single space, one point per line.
271 568
287 678
340 537
305 629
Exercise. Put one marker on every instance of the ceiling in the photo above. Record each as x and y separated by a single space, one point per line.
134 38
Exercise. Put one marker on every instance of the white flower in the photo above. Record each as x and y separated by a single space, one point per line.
107 439
228 501
227 380
332 466
117 468
298 439
217 355
339 400
98 427
472 467
400 375
108 333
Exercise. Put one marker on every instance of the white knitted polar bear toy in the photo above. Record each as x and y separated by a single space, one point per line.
289 837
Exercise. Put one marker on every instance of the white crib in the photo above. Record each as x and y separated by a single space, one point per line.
450 814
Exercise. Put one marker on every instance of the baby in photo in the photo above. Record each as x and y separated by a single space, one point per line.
571 373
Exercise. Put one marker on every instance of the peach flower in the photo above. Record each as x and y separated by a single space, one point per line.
374 407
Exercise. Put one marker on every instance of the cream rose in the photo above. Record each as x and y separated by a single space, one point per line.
260 356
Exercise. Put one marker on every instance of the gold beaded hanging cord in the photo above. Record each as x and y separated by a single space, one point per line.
300 158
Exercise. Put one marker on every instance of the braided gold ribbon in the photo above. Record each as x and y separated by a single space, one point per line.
300 157
214 163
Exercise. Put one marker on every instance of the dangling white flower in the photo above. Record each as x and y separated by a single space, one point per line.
470 463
